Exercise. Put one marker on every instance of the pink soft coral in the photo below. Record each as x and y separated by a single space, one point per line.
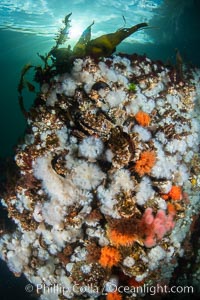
155 227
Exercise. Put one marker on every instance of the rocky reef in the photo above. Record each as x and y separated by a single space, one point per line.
107 183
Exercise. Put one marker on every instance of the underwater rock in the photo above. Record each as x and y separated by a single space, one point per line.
108 180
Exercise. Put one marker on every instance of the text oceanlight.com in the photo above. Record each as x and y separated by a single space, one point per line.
111 287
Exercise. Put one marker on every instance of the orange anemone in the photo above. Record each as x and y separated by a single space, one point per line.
145 163
176 193
142 118
110 256
165 196
171 209
120 239
113 296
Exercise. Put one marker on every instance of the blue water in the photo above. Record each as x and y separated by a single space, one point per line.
29 26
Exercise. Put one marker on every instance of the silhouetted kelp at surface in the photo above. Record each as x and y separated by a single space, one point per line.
102 46
60 60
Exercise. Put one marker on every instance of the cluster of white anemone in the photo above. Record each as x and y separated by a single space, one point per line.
85 174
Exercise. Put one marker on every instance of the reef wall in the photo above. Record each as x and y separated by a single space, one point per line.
107 185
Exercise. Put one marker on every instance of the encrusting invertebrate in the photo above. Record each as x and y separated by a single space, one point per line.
143 118
145 163
110 257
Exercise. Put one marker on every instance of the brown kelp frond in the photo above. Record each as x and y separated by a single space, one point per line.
45 59
106 44
21 86
79 48
102 46
63 33
61 38
25 69
61 59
